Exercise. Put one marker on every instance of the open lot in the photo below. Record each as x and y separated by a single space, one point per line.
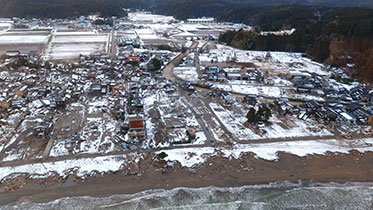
168 118
234 119
23 40
273 62
23 48
72 44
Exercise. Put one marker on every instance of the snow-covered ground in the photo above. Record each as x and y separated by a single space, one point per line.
244 87
151 27
175 115
281 82
5 27
23 39
76 39
237 86
147 33
187 157
160 28
283 62
8 135
186 73
59 149
71 44
145 17
234 123
83 166
75 33
69 51
96 134
278 129
268 151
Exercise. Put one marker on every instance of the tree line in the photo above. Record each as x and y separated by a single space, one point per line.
334 36
61 8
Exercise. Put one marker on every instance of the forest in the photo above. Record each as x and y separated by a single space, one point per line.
63 8
335 36
242 10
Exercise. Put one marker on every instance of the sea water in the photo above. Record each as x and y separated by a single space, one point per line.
282 195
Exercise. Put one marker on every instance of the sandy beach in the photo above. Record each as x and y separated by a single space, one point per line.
217 171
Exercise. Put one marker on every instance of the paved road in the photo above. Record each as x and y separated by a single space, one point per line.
113 46
168 69
197 64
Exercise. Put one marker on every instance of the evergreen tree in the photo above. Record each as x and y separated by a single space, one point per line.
263 114
251 115
155 64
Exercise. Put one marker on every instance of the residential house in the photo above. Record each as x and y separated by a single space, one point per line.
345 118
211 70
136 128
12 54
227 97
250 99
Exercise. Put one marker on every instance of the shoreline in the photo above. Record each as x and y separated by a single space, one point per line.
217 171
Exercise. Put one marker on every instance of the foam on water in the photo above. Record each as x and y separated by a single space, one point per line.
281 195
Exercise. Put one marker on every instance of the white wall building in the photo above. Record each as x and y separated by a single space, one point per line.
201 21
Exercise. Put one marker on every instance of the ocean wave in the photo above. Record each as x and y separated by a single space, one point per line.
279 195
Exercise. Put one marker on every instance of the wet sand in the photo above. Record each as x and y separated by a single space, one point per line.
217 171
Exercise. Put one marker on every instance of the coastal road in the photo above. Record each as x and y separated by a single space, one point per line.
14 163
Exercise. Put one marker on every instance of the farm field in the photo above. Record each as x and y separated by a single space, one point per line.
23 40
71 44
